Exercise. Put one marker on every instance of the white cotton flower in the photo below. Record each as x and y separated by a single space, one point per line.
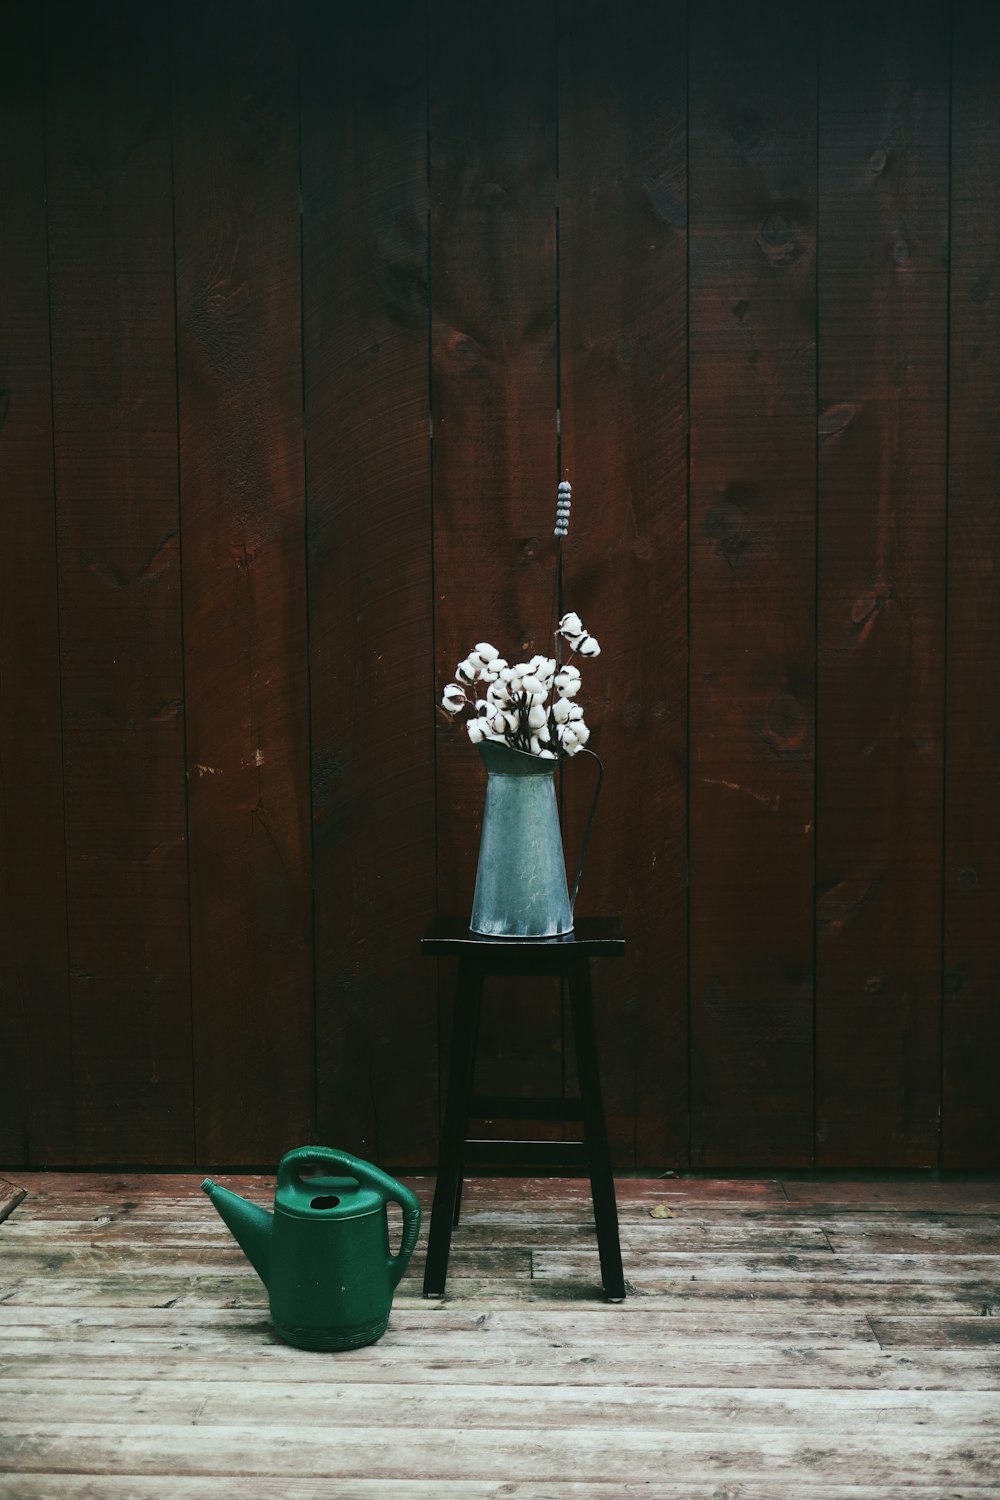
547 755
535 689
497 692
573 712
567 683
467 671
453 698
571 624
561 710
544 668
536 716
486 652
477 730
589 647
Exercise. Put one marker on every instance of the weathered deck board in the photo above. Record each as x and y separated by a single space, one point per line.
848 1348
208 1487
925 1455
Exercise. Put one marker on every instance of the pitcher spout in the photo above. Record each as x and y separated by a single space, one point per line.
249 1225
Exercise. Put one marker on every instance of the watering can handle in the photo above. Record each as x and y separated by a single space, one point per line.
291 1168
590 824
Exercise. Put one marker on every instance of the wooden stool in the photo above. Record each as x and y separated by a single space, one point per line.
566 958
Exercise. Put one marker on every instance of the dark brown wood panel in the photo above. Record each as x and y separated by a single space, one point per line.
238 275
36 1093
752 632
493 382
225 627
115 419
365 337
623 403
883 383
971 1036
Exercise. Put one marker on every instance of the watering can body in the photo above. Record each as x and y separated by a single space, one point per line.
324 1254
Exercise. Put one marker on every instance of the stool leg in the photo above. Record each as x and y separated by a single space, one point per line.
462 1062
602 1185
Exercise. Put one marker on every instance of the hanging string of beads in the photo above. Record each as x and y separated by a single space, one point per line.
563 502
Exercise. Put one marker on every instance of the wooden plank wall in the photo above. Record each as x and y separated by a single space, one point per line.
305 308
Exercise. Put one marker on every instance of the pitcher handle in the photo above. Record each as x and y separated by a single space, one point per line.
590 823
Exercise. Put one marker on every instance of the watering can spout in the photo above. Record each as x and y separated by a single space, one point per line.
250 1226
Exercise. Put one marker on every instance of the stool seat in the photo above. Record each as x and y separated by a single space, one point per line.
566 957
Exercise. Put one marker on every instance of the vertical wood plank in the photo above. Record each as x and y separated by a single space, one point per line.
752 374
883 374
366 332
623 403
114 384
36 1093
238 277
971 1035
493 384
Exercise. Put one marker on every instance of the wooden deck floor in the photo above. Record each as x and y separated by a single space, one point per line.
783 1339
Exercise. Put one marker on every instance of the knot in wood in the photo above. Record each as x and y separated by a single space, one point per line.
778 240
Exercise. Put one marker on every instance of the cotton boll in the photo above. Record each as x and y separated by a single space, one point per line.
477 730
561 710
546 755
573 711
535 689
486 652
589 647
453 698
571 624
536 716
494 670
567 687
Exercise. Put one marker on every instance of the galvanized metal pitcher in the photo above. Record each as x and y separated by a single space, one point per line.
521 888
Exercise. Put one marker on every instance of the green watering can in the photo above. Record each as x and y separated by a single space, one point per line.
324 1253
